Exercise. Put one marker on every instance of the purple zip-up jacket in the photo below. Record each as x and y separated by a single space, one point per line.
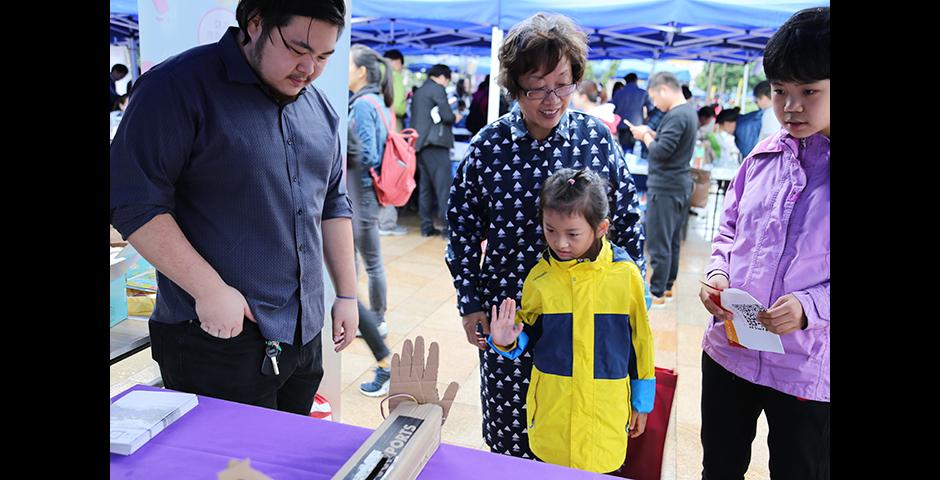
773 240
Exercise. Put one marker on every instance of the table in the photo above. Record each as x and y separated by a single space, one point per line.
639 170
636 166
128 337
286 446
722 176
461 133
458 151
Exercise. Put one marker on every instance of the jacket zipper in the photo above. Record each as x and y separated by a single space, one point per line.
535 396
799 155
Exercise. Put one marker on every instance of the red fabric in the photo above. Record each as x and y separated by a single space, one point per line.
397 181
612 126
644 459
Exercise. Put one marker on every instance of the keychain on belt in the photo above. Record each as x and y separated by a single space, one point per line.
272 350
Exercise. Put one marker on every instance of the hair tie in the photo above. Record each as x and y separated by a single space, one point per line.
571 181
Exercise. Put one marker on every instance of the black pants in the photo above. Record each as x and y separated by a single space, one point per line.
193 361
798 429
664 215
625 137
434 166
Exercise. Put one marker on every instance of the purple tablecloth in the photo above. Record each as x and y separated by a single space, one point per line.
285 446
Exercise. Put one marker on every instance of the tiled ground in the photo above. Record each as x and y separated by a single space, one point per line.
421 301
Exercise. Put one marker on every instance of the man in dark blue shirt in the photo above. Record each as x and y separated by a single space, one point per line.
226 174
632 103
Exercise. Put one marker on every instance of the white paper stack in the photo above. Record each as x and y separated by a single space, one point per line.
140 415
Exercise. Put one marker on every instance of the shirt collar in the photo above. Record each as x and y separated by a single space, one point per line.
782 140
363 92
236 66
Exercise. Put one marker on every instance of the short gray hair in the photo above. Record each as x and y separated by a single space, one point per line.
665 78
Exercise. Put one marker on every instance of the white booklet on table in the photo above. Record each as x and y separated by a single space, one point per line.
140 415
745 329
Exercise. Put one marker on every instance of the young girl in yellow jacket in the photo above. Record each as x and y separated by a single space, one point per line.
584 319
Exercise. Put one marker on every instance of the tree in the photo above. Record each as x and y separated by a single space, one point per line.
733 77
600 76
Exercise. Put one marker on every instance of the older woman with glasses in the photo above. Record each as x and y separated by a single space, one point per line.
494 201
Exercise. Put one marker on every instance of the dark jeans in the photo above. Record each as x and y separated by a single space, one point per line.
193 361
366 237
434 166
368 326
798 435
664 215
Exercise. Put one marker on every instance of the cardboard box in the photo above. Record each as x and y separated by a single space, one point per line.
701 183
400 447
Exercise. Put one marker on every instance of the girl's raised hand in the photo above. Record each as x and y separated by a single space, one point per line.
503 327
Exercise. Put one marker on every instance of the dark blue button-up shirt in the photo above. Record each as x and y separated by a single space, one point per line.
248 181
494 197
629 102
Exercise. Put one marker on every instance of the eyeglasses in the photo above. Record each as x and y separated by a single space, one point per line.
298 53
541 93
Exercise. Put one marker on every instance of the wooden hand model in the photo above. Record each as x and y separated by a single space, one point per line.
411 376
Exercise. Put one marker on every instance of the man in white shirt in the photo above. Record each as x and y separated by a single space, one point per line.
769 124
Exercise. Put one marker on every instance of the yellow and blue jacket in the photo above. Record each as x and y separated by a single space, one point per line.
592 348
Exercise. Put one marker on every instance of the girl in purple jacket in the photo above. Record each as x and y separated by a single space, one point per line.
773 242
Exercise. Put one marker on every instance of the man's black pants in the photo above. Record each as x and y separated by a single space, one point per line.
664 214
434 166
193 361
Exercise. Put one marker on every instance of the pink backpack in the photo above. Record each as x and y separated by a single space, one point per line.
397 180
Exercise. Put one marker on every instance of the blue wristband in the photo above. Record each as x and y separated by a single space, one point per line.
345 298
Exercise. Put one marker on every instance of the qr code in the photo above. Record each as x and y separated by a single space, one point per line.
750 315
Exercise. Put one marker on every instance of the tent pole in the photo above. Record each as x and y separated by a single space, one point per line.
133 46
747 66
492 112
724 78
708 90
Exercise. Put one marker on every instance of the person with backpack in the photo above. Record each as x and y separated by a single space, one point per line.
368 323
388 214
369 77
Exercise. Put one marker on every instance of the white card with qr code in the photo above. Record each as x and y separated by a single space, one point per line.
750 332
